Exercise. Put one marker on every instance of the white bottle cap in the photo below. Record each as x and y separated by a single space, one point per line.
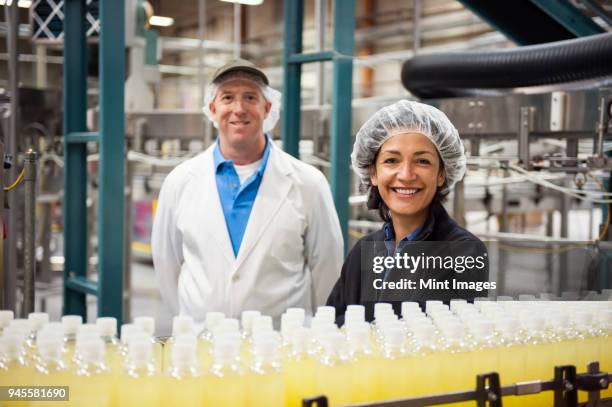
331 343
382 308
50 344
72 323
424 334
11 344
482 328
22 331
300 339
230 324
107 326
183 353
452 331
92 350
127 330
182 324
226 348
212 319
289 323
190 339
394 336
247 318
262 323
605 316
146 324
410 308
52 327
265 348
88 328
356 309
299 313
6 316
37 320
326 313
140 348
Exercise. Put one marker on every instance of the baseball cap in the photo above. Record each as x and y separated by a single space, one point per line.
240 65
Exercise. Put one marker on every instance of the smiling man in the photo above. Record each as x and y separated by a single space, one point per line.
245 226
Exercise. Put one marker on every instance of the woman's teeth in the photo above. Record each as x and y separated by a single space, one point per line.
406 191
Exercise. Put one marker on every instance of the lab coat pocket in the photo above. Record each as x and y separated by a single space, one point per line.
288 243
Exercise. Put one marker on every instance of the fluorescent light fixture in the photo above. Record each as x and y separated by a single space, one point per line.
20 3
247 2
160 21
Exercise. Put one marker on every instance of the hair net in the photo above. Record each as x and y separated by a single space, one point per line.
271 95
409 116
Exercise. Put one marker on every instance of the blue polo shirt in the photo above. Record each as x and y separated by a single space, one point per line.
237 200
390 241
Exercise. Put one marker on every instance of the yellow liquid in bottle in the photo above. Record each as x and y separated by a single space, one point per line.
92 391
15 375
226 391
512 367
184 392
363 376
425 368
332 381
139 391
540 366
299 380
265 390
605 359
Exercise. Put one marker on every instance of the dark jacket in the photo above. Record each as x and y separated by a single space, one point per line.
441 236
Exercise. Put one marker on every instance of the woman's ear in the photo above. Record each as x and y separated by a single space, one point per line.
373 177
441 178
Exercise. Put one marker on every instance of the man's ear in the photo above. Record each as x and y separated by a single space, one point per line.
267 109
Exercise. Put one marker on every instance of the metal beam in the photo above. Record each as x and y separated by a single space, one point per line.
112 162
75 155
342 94
290 124
563 12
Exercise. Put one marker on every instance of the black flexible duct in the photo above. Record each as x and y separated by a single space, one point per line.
459 74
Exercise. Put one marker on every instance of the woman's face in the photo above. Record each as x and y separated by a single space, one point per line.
407 173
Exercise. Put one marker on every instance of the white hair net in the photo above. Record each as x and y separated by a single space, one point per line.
271 95
414 117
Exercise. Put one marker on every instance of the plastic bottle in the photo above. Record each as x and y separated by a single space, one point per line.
299 367
147 325
6 316
424 358
108 333
51 368
332 370
140 384
246 319
539 357
394 378
71 324
181 325
182 385
92 378
512 362
456 358
364 371
266 381
605 350
485 347
15 368
226 384
587 345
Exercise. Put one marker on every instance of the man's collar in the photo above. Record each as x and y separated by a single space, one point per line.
218 158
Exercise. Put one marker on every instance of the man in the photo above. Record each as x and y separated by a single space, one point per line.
245 225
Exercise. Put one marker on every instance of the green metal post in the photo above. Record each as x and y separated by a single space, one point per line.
75 169
290 124
341 131
112 164
569 16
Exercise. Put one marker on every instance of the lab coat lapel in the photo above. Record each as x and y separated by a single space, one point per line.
212 213
272 193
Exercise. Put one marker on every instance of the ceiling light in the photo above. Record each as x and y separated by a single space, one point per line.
247 2
160 21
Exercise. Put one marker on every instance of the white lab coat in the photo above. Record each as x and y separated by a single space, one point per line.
291 252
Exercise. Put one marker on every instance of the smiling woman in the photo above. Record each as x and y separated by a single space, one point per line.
407 156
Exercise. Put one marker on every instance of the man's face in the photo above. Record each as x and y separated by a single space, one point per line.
239 108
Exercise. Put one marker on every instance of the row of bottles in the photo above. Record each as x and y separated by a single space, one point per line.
247 362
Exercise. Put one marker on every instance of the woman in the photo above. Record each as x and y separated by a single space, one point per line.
408 156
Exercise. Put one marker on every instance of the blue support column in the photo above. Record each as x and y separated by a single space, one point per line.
292 72
569 16
341 131
75 154
112 162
